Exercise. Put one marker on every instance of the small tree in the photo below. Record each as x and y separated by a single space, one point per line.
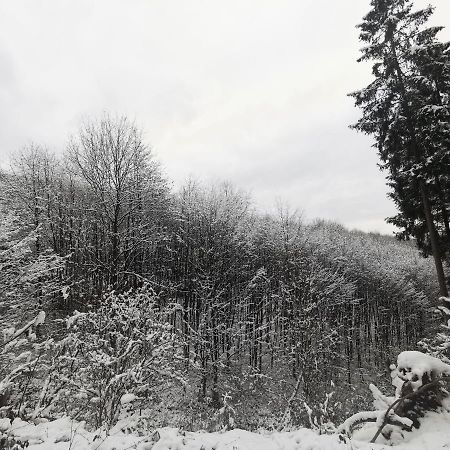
421 383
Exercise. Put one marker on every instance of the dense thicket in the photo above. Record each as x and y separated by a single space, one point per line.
266 310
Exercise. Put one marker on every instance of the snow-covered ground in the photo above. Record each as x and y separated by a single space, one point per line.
66 434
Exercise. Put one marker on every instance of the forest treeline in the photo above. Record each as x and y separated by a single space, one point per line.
266 312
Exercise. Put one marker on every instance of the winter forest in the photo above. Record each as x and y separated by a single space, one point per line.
136 314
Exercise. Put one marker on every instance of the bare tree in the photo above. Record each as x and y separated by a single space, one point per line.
124 188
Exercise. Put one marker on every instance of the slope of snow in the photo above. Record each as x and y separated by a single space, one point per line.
65 433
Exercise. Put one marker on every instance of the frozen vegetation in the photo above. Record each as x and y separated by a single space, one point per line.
126 314
133 316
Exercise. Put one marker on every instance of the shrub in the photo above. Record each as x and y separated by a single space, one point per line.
115 357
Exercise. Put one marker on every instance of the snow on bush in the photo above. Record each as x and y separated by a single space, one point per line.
420 382
417 368
28 282
113 359
115 356
20 365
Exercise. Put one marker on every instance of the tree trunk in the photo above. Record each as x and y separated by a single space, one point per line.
434 239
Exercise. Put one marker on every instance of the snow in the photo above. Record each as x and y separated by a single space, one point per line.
65 292
415 48
127 398
380 401
40 319
413 365
444 310
24 355
346 427
64 433
13 335
73 318
4 424
8 332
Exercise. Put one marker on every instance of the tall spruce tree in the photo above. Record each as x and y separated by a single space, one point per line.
406 109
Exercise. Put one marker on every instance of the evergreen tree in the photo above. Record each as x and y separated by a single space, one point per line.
406 109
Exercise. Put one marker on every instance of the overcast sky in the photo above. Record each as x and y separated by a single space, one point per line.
250 91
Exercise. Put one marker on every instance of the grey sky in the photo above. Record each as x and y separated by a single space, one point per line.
252 91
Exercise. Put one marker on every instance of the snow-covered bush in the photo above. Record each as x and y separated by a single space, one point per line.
28 284
27 276
421 383
225 416
115 357
18 373
320 418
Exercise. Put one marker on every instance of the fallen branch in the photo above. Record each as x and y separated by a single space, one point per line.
371 416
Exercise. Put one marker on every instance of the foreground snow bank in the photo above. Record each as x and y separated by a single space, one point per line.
65 433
